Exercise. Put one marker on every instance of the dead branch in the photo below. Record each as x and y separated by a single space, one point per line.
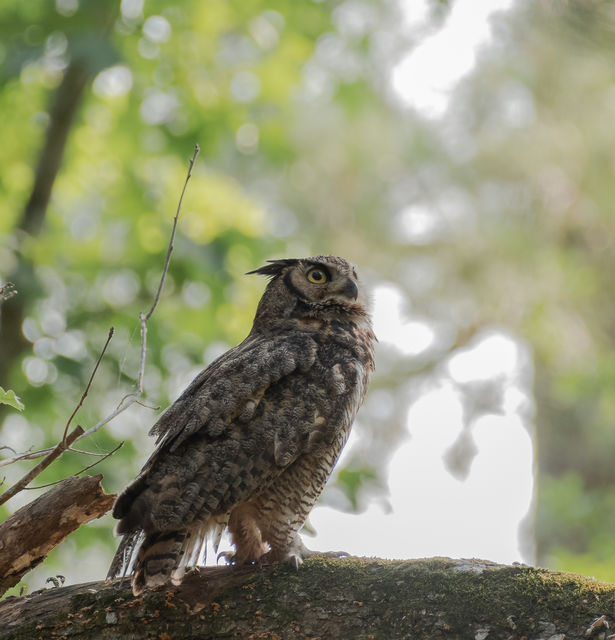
34 530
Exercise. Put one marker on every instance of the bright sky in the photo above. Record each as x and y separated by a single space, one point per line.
425 78
432 512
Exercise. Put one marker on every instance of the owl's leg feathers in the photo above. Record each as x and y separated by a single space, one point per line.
245 535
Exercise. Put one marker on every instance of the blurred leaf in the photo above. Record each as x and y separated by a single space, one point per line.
352 480
9 397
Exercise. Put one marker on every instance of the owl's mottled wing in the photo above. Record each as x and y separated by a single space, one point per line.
232 386
238 424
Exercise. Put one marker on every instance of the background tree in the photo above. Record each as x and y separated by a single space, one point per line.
495 213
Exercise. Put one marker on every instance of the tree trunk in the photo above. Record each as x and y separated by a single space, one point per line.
61 117
346 598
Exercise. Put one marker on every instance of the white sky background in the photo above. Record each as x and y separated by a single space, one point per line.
432 512
425 78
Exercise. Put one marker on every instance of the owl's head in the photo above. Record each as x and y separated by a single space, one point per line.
318 287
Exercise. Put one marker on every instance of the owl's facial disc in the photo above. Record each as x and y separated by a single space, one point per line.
323 284
338 284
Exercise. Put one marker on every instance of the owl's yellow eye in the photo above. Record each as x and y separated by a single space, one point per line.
317 275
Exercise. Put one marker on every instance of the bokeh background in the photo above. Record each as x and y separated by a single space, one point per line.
461 153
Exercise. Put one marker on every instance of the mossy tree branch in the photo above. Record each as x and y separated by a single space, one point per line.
326 598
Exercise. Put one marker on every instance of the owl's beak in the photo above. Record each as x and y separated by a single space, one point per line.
350 289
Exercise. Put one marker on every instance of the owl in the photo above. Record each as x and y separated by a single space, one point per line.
250 443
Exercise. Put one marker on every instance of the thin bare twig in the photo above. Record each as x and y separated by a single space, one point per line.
148 315
86 453
28 455
57 451
104 457
53 451
119 446
147 406
89 384
143 318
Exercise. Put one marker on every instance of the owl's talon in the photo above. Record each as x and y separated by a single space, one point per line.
192 570
228 557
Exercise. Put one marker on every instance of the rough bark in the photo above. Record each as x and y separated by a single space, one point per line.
328 598
34 530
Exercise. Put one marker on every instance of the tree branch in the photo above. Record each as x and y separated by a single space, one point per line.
345 598
32 531
61 117
62 114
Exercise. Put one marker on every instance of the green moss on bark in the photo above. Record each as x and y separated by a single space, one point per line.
328 598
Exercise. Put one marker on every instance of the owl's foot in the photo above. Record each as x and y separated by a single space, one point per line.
296 553
192 570
229 557
232 558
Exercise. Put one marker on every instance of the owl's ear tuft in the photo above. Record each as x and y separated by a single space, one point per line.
274 268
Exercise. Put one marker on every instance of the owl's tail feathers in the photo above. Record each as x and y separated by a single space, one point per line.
158 560
153 558
159 557
123 560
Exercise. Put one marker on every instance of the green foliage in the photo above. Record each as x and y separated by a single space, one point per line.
353 480
583 518
9 397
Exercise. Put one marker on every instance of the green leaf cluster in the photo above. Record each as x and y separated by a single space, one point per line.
9 397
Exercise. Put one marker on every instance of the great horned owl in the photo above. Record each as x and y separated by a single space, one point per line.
250 443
